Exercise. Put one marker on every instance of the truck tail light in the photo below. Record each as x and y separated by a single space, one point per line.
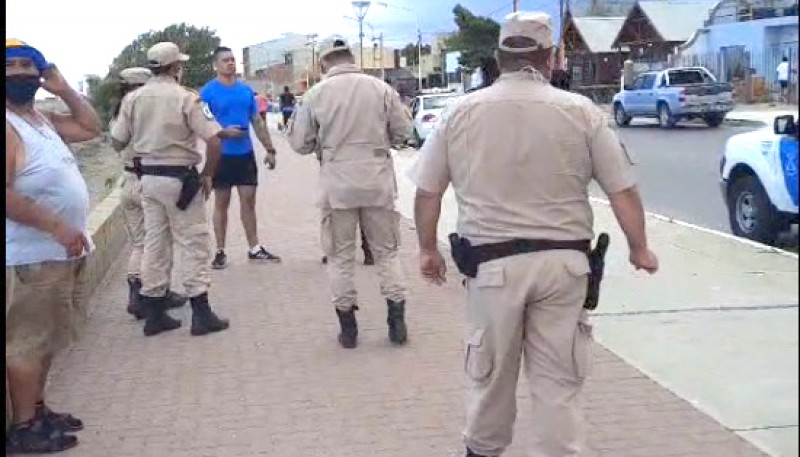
682 95
429 118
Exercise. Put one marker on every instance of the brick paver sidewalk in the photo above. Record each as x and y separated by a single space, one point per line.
277 383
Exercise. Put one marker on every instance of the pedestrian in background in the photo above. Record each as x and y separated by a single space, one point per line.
47 243
233 105
353 120
524 231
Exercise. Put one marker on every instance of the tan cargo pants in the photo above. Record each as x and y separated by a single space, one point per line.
338 236
165 223
133 215
528 306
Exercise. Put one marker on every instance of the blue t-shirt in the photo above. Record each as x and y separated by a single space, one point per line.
233 105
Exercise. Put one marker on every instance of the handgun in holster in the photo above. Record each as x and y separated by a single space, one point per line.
190 187
461 250
597 264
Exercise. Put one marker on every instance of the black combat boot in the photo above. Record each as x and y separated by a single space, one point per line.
175 300
134 306
158 320
471 453
398 333
348 337
204 321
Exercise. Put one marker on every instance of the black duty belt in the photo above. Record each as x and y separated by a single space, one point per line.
170 171
488 252
130 169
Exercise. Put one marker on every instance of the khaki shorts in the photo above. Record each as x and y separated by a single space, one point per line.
45 307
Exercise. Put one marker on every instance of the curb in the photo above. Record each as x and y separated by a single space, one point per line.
754 244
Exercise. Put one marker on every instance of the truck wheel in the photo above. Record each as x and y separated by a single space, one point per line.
620 116
714 119
751 214
665 118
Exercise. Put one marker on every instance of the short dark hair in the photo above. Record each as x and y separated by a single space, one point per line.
220 50
785 59
286 88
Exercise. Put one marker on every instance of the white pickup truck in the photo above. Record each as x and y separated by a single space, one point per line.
759 180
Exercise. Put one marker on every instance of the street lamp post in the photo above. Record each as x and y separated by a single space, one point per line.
361 7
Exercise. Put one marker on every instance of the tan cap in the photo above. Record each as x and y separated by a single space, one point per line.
135 75
332 44
535 26
164 53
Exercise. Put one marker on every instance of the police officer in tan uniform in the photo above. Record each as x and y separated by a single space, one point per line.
520 155
131 203
161 123
354 119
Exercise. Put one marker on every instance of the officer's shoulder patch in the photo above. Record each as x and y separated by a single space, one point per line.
206 110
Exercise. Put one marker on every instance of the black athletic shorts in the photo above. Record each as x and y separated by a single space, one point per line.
784 84
236 170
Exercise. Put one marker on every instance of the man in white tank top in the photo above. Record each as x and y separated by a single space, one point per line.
47 206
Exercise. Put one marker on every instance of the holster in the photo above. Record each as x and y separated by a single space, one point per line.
189 177
190 187
461 250
597 265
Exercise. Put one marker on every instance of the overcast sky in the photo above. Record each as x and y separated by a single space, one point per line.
84 36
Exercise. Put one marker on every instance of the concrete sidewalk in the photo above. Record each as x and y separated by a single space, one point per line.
277 383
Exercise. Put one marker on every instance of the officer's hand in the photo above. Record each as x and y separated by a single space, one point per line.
74 241
208 184
644 259
432 267
269 159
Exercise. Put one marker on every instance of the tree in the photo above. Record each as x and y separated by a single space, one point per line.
476 37
198 43
411 53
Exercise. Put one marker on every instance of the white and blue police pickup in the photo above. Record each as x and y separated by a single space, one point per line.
759 180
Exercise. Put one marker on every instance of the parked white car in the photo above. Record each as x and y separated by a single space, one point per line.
426 110
759 180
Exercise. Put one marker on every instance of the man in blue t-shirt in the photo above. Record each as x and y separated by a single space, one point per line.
233 104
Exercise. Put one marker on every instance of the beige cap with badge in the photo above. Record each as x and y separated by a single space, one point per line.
332 44
135 75
164 53
531 26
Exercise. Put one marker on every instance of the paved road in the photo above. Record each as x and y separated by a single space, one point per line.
679 170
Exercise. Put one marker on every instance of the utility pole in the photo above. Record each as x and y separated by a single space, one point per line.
312 41
419 55
516 5
361 7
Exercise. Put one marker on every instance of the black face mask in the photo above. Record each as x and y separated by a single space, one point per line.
21 89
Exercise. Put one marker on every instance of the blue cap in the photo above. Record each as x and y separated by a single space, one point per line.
17 49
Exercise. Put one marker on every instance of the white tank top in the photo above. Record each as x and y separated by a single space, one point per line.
50 178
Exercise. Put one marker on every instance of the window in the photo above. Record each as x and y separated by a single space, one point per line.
436 102
647 81
637 83
679 77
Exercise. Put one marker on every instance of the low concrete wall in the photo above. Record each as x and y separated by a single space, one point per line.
108 233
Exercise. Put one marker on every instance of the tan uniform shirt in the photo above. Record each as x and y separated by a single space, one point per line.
161 121
353 119
520 155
